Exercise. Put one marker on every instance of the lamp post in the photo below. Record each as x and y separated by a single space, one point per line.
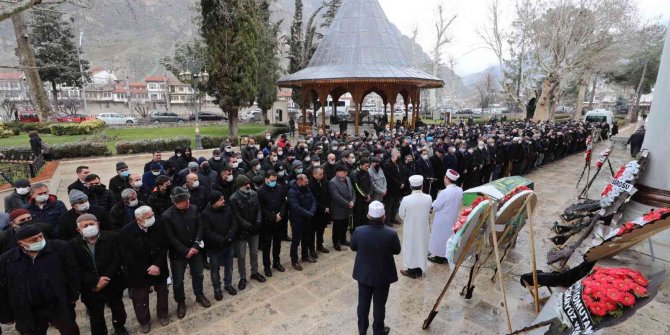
194 79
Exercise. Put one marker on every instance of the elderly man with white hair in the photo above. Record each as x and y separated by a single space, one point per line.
446 207
415 213
144 264
122 213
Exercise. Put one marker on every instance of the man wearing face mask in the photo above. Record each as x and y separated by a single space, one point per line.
149 177
144 264
39 284
119 182
135 183
102 283
329 168
66 225
393 171
255 170
176 160
98 194
343 198
424 167
159 200
272 200
198 193
377 179
245 206
360 178
301 206
219 229
18 218
123 212
155 159
225 182
296 169
44 207
206 175
18 198
249 152
408 170
314 161
216 163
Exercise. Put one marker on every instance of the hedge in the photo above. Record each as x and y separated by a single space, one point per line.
149 146
64 150
84 128
40 127
5 131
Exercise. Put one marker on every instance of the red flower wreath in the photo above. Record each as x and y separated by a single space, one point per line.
465 212
607 291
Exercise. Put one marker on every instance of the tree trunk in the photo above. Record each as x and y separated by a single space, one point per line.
266 119
632 116
544 103
593 91
54 92
232 121
27 60
580 97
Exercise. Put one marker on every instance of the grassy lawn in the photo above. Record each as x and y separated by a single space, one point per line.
113 135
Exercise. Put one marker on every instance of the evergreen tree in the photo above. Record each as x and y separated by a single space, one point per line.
230 31
295 43
268 63
55 51
332 7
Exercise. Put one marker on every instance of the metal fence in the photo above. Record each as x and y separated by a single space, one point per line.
19 166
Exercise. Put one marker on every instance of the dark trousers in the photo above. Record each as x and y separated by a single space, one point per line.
485 177
366 295
270 240
391 206
218 258
317 226
96 312
297 227
178 267
57 316
140 297
307 242
340 231
360 213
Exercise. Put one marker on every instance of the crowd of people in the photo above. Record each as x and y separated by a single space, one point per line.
142 229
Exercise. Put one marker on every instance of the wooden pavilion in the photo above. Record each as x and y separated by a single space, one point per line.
360 54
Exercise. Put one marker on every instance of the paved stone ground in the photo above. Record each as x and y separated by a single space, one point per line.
322 298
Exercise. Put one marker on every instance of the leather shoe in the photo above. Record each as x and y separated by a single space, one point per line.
408 274
120 330
287 238
322 249
218 296
387 330
337 248
258 277
438 260
297 266
314 254
145 328
345 243
268 272
242 285
202 300
231 290
206 265
279 267
181 309
309 259
164 321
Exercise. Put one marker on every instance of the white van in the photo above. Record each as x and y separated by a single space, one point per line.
600 115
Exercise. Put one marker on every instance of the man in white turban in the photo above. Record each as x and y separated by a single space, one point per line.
415 213
446 207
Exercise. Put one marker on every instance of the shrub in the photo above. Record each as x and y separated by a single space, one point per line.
84 128
212 142
148 146
60 151
5 131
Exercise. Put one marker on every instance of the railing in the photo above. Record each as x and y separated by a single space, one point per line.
19 166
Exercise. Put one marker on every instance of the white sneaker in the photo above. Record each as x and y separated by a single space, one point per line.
169 280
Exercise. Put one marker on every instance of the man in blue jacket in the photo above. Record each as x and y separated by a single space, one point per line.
374 268
301 209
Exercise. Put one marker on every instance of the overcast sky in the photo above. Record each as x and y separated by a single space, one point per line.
466 47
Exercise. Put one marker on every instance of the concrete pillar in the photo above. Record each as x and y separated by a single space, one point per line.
654 183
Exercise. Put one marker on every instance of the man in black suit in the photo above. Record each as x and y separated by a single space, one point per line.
80 183
374 268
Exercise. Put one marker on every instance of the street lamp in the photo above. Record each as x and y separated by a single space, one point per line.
194 79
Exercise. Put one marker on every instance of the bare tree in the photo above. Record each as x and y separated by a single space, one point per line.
487 89
577 35
141 108
441 28
69 105
9 105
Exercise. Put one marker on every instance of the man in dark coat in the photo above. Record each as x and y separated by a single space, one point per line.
301 209
80 183
124 211
363 188
342 201
219 229
144 264
636 141
66 225
159 200
135 183
374 268
119 182
198 192
44 207
97 256
437 161
19 218
318 184
155 159
98 194
19 197
183 227
272 201
395 186
39 284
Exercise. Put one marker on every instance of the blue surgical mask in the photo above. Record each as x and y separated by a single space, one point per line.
124 174
37 246
272 184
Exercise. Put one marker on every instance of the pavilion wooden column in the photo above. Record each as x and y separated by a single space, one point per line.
392 100
305 98
416 97
323 98
357 97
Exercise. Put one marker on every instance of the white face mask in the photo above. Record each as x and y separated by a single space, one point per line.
155 173
229 178
281 173
90 231
316 163
280 153
22 190
352 160
42 198
273 159
234 165
268 137
481 146
257 168
307 159
137 184
259 156
424 157
217 158
84 207
196 184
133 203
149 222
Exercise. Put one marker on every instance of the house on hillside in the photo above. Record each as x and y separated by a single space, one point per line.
100 76
13 86
157 88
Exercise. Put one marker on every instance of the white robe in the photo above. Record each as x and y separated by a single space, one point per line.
415 213
446 208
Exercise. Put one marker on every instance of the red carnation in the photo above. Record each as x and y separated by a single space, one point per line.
613 294
639 291
610 306
598 308
627 299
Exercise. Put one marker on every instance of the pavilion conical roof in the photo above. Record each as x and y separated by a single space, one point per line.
361 44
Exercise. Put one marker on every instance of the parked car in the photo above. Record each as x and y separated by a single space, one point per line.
251 116
159 117
208 116
27 116
116 118
77 118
